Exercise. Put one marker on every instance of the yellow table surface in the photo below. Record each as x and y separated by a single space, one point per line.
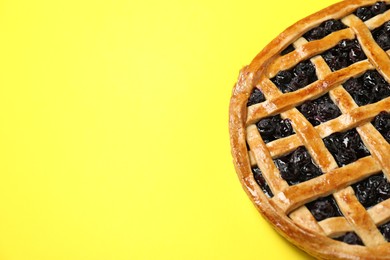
114 128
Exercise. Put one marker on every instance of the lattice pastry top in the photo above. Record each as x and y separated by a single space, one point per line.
310 131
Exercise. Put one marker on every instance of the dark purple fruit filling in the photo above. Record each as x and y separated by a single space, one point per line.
367 12
346 147
350 238
261 182
255 97
297 166
319 110
382 36
372 190
368 88
324 29
273 128
324 208
385 230
303 74
289 49
345 53
382 123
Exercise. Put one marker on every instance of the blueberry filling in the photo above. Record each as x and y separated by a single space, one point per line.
382 36
368 88
350 238
324 29
372 190
303 74
346 147
297 166
324 208
345 53
261 182
367 12
273 128
385 230
289 49
382 123
255 97
319 110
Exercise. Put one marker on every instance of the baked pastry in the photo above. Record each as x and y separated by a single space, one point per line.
309 127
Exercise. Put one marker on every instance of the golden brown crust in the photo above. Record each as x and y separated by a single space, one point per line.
286 210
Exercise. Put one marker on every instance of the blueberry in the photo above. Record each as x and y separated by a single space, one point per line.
380 91
372 190
298 77
304 69
345 44
364 13
319 110
386 27
382 123
282 165
331 60
316 33
333 25
372 88
350 238
299 156
266 127
327 111
255 97
374 181
289 49
331 143
345 156
283 129
363 97
368 88
365 194
309 171
273 128
257 174
346 147
356 54
345 53
296 83
350 140
383 41
384 190
283 78
286 172
371 78
297 166
352 85
382 36
308 109
378 8
385 230
324 29
324 208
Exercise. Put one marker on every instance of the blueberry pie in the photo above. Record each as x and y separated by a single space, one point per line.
309 127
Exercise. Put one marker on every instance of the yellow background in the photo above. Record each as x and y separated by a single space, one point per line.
114 136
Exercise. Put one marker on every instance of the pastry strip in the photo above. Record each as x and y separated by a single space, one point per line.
334 227
358 218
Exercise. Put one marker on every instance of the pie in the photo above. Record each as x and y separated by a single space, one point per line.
309 123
